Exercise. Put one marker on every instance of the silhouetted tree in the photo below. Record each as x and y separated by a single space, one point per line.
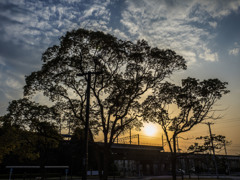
9 138
128 71
179 108
29 130
28 115
219 142
216 142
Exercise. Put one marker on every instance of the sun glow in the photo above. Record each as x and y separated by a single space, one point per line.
150 129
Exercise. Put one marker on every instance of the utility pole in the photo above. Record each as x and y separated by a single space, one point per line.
69 130
178 150
224 143
162 143
228 168
213 149
85 151
130 137
138 139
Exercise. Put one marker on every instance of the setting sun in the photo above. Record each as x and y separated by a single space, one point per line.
150 129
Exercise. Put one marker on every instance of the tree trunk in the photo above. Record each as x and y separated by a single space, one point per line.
42 164
174 175
106 161
98 155
174 159
106 165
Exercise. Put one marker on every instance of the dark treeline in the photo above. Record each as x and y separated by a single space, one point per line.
24 148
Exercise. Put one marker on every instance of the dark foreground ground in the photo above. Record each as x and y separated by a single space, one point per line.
193 177
186 177
179 178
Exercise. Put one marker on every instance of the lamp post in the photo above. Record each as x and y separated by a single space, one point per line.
85 151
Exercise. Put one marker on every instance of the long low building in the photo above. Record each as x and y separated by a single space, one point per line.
126 160
143 160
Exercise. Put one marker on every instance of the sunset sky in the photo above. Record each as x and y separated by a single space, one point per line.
205 33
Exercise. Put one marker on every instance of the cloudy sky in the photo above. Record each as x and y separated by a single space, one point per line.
206 33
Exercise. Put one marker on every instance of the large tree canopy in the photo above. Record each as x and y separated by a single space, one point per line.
127 69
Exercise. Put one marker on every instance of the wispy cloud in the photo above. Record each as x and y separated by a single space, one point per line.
176 25
50 20
12 83
213 24
235 50
27 28
208 55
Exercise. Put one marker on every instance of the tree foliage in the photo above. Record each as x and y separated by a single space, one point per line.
9 139
219 141
28 115
128 71
179 108
28 130
192 103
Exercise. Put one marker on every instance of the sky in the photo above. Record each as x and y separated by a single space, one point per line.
205 33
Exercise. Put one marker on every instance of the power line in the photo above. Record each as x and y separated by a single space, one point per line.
231 126
228 121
